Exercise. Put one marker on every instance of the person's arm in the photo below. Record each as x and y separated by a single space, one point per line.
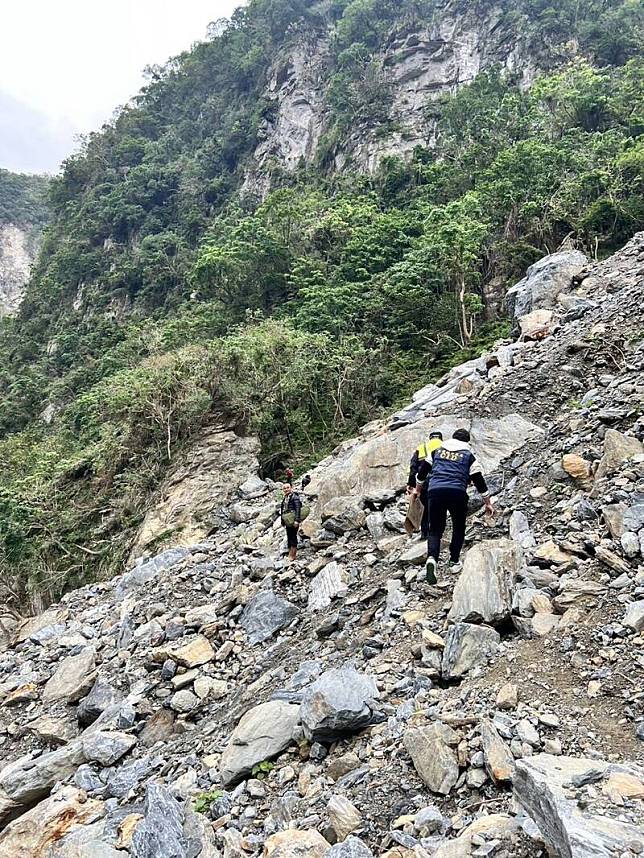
424 470
476 477
413 470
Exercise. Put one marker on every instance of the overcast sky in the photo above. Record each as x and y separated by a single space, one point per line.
65 65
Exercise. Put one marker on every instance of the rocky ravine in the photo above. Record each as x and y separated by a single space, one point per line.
341 706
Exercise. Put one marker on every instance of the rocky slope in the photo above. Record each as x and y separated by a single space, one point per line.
340 706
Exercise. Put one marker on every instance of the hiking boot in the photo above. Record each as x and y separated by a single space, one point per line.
455 566
430 570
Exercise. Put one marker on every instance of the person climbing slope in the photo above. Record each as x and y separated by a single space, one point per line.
423 452
453 466
291 517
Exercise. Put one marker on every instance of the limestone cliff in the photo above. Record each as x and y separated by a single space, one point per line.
417 66
17 252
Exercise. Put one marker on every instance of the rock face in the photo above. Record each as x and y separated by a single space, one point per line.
483 592
340 702
17 252
382 462
466 647
262 733
543 282
161 831
546 787
266 614
192 497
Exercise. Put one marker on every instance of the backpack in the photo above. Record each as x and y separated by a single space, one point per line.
288 519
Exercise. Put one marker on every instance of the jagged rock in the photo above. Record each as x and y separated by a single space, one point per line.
483 592
343 514
296 844
241 514
252 488
618 449
634 617
499 762
630 544
101 697
160 834
549 552
508 696
184 701
146 572
73 678
543 623
344 816
55 731
578 591
545 786
158 728
544 281
338 703
352 847
467 646
107 747
536 324
129 775
520 531
202 615
432 756
192 654
614 517
39 831
262 733
265 614
27 780
415 555
610 559
634 517
330 582
576 467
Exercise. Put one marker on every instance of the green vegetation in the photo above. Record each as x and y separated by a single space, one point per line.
163 293
204 801
23 199
262 769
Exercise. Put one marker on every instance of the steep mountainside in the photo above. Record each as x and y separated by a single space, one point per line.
23 214
217 702
289 230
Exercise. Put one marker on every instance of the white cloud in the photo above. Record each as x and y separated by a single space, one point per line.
74 61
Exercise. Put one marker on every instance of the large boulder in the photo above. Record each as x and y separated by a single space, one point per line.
73 678
543 282
330 582
430 749
296 844
362 467
100 698
618 449
262 733
338 703
39 832
204 481
483 592
160 834
28 779
547 788
467 647
265 614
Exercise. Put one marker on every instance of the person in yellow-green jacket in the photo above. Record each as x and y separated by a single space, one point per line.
423 452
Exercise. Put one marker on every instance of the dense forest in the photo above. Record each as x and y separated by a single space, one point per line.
164 293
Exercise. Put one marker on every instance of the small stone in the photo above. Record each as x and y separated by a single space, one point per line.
344 816
508 696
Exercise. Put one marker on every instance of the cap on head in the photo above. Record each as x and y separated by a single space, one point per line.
436 434
461 435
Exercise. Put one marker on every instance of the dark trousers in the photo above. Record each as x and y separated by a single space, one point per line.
424 522
291 537
441 502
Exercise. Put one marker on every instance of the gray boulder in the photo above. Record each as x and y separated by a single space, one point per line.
330 582
546 787
351 847
266 614
483 592
102 696
107 746
337 704
145 572
28 779
466 647
543 282
160 834
262 733
634 617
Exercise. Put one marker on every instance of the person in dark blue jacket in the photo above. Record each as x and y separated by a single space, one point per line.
452 467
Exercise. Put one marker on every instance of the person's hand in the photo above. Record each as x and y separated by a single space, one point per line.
489 506
411 490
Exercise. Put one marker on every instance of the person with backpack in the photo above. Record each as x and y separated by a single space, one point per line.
291 517
422 452
452 467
